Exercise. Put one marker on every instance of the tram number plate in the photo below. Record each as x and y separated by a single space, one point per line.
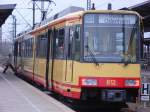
111 83
145 98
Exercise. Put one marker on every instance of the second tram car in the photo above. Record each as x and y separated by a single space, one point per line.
84 55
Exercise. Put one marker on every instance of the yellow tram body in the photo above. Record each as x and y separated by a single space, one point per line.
74 78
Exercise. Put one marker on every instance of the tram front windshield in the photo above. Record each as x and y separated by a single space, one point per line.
110 37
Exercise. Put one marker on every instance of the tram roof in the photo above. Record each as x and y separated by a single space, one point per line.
5 11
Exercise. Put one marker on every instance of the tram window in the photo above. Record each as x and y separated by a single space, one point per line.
30 45
74 43
41 46
23 49
19 49
27 48
77 43
70 43
59 43
119 42
15 48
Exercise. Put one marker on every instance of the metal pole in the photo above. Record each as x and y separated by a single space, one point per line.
88 4
13 34
14 23
14 27
42 10
33 14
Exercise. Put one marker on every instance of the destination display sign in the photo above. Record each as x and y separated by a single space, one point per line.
117 19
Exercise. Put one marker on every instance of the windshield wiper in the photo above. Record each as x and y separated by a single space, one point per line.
132 35
124 51
126 61
130 42
92 55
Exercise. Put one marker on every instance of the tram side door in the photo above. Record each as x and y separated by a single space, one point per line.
49 60
69 59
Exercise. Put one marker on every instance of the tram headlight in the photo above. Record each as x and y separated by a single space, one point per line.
89 82
132 82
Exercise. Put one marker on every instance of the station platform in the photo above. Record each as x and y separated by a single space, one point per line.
18 96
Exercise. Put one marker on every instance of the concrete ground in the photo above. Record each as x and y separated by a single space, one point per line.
138 108
18 96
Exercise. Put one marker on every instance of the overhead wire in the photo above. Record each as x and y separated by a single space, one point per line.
23 18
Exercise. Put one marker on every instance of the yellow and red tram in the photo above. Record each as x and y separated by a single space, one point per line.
84 55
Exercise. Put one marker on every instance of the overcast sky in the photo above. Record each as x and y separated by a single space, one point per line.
23 10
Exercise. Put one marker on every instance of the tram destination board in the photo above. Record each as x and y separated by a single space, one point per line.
145 92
